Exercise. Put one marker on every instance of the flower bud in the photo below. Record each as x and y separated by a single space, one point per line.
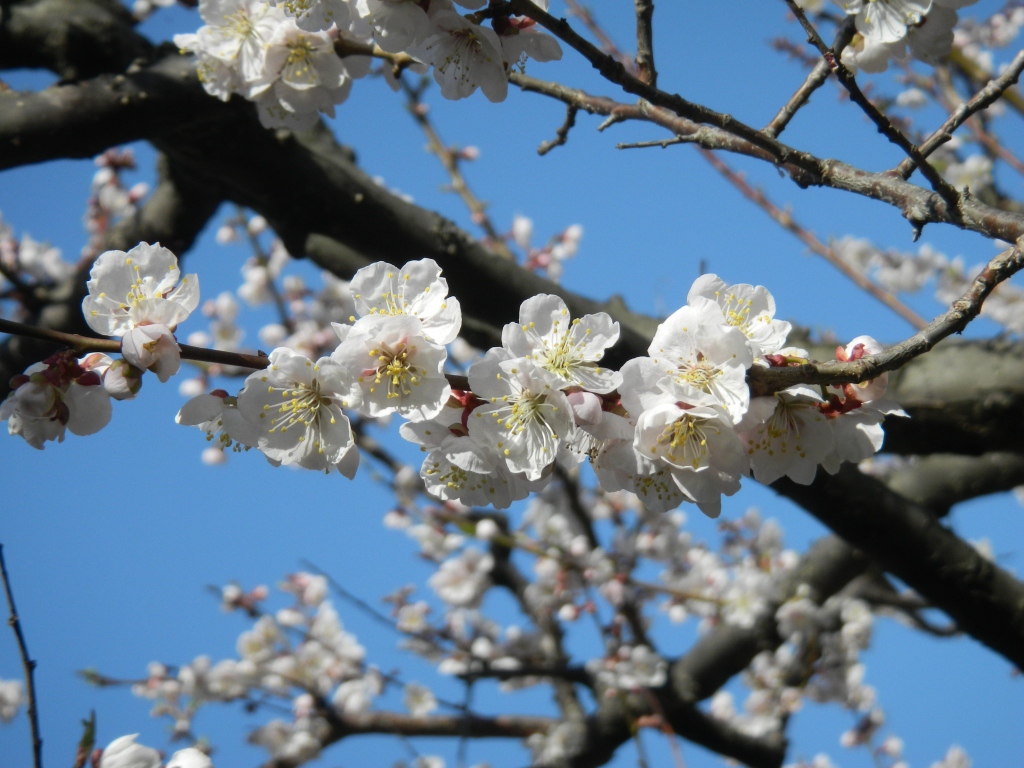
122 380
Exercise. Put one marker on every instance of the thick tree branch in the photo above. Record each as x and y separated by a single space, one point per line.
908 542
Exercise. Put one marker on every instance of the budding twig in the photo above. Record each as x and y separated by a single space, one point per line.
27 664
450 160
764 381
786 221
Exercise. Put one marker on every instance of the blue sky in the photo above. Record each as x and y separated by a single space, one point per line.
111 540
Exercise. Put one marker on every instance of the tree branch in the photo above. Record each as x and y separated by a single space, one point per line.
981 100
27 664
907 541
816 79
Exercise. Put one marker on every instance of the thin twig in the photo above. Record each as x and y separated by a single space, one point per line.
884 125
607 44
358 602
658 143
645 70
813 82
188 352
786 221
981 100
450 160
764 381
27 664
562 134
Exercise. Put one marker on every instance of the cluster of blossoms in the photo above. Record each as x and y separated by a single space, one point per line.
300 652
677 426
898 29
976 38
125 752
298 58
109 201
901 272
34 262
546 259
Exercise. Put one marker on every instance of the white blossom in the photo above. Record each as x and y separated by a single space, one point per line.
420 701
125 753
416 289
465 56
397 368
703 358
747 307
525 415
12 698
568 348
462 580
297 407
190 758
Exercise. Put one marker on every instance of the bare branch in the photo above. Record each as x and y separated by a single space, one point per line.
785 220
981 100
885 126
814 81
562 134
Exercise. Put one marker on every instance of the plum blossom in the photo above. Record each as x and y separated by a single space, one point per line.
697 446
520 39
465 56
53 396
397 368
125 753
747 307
898 28
231 46
316 15
217 414
462 580
416 289
420 701
789 435
460 467
568 348
190 758
137 296
397 24
703 359
524 417
303 76
297 407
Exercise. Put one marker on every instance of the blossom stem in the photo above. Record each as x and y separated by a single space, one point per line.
83 344
27 663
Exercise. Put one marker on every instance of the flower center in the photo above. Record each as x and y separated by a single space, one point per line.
395 370
686 442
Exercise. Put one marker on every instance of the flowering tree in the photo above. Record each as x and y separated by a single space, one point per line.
564 439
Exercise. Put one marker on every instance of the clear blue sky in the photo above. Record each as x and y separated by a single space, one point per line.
112 539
